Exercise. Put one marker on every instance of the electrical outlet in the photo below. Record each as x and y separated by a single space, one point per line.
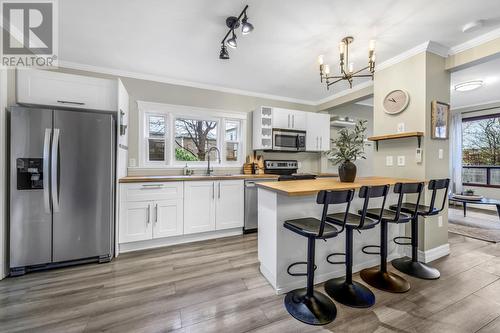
401 160
440 221
418 155
401 127
132 162
389 161
440 154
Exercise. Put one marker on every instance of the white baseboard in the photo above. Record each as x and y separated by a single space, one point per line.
319 278
431 254
168 241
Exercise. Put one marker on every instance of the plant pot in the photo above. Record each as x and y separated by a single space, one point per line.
347 172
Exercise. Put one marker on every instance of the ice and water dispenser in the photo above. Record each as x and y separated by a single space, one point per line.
29 173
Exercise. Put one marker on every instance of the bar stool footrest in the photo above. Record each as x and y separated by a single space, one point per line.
298 263
365 249
335 262
397 240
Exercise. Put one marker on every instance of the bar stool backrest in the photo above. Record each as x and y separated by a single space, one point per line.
368 192
435 185
407 188
326 198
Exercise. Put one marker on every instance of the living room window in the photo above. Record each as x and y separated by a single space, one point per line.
173 136
481 151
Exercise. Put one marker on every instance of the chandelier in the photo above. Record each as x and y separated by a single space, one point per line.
347 68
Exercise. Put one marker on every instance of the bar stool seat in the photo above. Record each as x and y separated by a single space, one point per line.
310 227
408 207
352 220
388 215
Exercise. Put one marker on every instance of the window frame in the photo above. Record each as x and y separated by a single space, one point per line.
487 167
174 112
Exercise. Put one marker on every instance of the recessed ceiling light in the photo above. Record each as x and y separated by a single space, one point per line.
469 85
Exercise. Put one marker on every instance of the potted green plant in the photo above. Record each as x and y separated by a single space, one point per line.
347 148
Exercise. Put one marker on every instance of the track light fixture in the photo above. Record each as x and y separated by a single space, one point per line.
233 23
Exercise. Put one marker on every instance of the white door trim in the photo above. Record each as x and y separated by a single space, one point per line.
3 167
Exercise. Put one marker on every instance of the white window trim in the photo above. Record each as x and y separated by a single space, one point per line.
173 112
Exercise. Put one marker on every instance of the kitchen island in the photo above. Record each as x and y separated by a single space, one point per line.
278 247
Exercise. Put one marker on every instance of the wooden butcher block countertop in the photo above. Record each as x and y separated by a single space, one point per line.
313 186
153 179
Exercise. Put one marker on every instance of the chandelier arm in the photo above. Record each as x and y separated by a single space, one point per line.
363 75
330 83
334 77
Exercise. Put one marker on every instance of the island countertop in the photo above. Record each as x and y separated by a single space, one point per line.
313 186
159 179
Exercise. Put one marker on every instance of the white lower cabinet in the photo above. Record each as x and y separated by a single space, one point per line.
150 211
213 205
199 206
229 207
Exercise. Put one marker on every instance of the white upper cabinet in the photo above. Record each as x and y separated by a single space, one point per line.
230 203
44 87
318 132
289 119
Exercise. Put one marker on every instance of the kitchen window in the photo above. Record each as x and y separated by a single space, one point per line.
173 136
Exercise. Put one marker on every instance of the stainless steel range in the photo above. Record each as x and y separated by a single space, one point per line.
287 169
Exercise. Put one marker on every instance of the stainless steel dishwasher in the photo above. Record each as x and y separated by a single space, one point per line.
251 203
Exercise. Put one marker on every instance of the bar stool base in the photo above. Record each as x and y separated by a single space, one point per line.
315 310
416 269
385 281
351 294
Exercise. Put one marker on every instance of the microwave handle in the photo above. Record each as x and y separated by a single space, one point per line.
297 143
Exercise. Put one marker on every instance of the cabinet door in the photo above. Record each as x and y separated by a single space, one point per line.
298 120
312 133
135 223
229 209
199 206
65 90
324 131
168 218
282 118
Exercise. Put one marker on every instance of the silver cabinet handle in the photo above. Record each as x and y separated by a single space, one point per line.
156 213
70 102
55 171
321 142
46 176
151 186
288 120
317 146
213 190
219 190
293 121
149 213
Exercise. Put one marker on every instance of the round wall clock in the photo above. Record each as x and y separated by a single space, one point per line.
396 101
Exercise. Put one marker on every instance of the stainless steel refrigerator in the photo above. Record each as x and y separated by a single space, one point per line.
62 176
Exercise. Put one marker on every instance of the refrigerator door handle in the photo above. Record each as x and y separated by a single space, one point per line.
46 156
55 171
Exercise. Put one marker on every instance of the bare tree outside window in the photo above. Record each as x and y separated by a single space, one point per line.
193 138
481 141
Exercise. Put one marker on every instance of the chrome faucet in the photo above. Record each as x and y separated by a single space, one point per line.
209 171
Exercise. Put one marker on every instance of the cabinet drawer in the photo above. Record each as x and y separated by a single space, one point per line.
152 191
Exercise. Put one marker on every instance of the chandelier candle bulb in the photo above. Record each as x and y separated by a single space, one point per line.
341 49
327 69
371 46
320 60
351 67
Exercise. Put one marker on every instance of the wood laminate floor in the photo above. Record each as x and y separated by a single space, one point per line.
215 286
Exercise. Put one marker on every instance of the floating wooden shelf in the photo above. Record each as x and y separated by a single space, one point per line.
378 138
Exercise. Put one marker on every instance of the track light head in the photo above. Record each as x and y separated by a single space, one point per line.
223 52
232 41
246 27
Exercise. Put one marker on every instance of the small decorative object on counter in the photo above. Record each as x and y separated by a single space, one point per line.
346 148
185 170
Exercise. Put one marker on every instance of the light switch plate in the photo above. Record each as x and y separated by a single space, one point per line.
440 153
389 161
401 160
132 162
418 155
401 127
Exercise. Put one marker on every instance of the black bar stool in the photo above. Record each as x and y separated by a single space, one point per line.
378 276
345 290
308 305
412 266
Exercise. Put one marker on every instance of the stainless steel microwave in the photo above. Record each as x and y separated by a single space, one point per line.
289 140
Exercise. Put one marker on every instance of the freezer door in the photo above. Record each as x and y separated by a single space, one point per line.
82 192
30 215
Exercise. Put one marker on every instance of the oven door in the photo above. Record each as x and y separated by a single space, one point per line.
285 140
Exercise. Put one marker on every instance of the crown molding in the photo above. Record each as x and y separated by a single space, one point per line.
428 46
494 34
163 79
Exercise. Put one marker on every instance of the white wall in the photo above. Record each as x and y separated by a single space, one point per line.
3 182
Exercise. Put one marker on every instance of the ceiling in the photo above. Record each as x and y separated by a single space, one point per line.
489 73
180 39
